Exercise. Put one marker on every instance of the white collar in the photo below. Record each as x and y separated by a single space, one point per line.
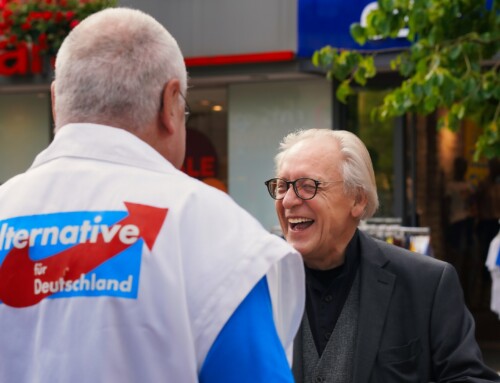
103 143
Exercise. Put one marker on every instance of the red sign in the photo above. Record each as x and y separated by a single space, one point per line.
201 157
200 167
201 160
22 60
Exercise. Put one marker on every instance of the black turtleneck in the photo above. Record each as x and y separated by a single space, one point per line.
326 293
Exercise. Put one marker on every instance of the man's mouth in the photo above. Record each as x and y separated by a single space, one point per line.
300 223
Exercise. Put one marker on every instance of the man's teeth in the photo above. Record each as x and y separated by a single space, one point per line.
299 220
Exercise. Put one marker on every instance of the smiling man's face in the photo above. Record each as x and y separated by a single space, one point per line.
320 228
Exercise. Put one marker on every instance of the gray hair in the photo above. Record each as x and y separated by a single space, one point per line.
356 167
112 68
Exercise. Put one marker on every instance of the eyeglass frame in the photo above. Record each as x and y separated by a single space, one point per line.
294 184
187 108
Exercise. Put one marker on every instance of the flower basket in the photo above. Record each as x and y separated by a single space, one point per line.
43 23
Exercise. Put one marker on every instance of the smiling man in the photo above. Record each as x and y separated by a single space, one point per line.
374 312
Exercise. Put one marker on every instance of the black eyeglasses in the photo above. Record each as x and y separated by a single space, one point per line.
304 188
187 109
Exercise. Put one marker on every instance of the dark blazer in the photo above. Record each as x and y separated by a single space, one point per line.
413 322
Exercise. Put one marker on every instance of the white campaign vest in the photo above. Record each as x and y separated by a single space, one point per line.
116 267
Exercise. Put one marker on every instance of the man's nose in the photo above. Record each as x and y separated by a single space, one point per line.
291 198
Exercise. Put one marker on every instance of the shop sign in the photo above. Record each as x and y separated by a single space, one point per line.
328 22
201 157
21 61
201 160
200 167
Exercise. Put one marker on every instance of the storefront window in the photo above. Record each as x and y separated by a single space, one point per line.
379 138
260 115
234 132
206 141
25 130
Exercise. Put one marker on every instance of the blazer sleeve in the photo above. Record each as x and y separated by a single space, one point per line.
455 352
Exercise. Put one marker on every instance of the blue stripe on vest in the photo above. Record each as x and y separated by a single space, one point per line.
248 349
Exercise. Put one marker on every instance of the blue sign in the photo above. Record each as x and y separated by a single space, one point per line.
327 22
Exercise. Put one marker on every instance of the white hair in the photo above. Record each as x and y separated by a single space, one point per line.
356 167
112 68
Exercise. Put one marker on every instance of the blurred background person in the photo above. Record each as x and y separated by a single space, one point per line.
488 203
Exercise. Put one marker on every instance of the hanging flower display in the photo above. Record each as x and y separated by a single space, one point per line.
44 23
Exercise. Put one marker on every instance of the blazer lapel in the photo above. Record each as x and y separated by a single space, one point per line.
376 288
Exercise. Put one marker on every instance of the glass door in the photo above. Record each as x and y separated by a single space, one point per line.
385 143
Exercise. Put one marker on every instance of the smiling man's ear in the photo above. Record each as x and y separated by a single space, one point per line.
359 204
170 102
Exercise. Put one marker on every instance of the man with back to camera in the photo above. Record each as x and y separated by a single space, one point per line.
374 312
114 265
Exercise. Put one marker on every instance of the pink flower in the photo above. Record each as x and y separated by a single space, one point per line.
74 23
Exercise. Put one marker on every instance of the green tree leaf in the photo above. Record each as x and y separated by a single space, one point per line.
358 33
452 62
344 90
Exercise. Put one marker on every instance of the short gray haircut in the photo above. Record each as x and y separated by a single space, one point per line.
112 69
356 167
